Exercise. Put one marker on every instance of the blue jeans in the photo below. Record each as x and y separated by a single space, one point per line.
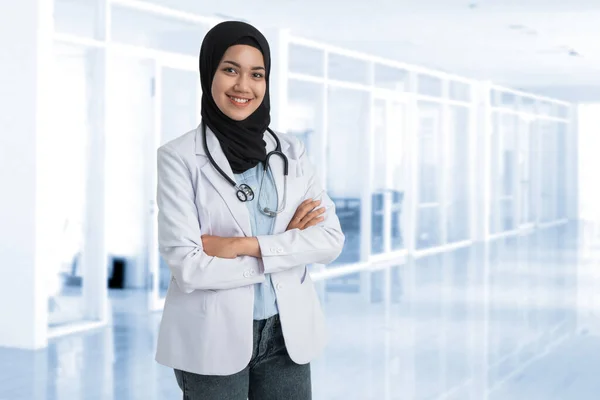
270 375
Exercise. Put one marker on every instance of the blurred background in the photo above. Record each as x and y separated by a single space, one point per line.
459 140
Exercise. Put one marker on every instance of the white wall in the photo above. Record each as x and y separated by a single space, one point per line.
25 39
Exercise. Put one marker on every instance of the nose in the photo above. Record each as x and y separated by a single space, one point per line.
241 84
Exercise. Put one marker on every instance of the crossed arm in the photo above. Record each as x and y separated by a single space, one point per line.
232 247
210 262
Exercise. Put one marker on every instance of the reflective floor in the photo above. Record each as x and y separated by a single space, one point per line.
518 318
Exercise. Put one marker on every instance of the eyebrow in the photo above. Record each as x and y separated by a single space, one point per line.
239 66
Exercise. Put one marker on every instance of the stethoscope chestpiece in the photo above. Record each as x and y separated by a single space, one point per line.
244 193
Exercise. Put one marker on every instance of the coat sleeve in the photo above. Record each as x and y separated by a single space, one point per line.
320 244
179 234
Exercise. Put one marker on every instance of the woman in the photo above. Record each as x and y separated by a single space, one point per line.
242 318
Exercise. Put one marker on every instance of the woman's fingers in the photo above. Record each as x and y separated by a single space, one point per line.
311 216
313 222
306 215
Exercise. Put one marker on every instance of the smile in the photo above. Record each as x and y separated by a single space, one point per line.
239 101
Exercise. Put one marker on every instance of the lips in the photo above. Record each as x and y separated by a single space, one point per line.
239 101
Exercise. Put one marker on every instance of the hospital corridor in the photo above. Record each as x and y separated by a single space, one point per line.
457 143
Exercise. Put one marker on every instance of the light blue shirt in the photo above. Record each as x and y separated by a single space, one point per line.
265 300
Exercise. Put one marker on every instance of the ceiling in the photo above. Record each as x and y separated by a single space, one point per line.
522 43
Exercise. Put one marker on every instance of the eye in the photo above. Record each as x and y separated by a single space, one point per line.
230 70
258 75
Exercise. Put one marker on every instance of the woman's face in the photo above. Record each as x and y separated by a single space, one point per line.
239 85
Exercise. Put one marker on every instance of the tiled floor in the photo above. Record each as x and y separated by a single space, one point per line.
514 319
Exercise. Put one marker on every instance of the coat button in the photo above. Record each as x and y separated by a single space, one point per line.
252 272
246 274
279 286
273 250
279 250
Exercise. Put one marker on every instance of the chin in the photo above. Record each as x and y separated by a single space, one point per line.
238 116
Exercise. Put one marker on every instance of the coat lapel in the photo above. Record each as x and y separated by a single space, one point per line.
223 187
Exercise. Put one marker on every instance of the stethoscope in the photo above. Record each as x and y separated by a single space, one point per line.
244 192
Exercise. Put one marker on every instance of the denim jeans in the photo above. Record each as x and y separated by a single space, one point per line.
270 375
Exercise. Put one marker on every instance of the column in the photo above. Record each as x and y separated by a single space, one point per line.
26 41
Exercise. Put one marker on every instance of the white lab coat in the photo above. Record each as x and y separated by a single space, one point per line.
207 321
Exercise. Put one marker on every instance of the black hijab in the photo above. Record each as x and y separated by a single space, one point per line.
241 141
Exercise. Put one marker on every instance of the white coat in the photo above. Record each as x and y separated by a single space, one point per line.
207 321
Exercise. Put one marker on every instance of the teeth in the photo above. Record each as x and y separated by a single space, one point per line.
240 100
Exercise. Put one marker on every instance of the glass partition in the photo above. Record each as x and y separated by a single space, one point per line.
430 167
306 60
505 100
458 180
526 160
503 170
392 78
179 101
380 161
561 186
144 29
72 125
460 91
528 105
429 85
81 18
389 175
304 117
348 69
130 127
548 170
348 124
397 173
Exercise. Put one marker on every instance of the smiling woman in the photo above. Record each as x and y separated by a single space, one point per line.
264 324
239 85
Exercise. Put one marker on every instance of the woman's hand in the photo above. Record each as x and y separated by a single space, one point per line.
306 215
222 247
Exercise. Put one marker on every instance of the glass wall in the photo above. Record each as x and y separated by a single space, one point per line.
528 166
444 155
379 176
148 30
458 182
72 127
82 18
549 170
304 116
348 120
429 177
562 132
397 172
389 175
130 127
527 161
391 78
503 172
